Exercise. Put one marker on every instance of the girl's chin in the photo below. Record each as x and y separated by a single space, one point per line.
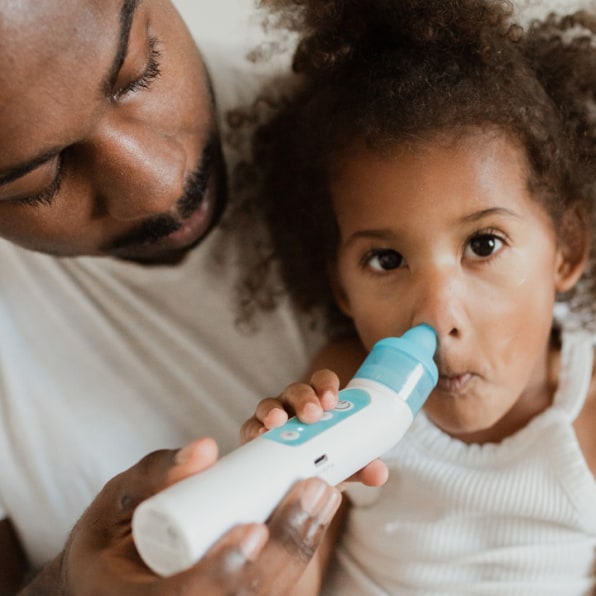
463 426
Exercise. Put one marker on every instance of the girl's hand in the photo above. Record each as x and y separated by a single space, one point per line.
308 402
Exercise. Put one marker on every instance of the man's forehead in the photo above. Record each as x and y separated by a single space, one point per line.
49 49
39 38
54 25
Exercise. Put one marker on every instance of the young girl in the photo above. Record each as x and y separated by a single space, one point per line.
435 164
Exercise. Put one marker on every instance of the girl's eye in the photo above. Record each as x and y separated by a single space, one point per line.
383 260
152 71
484 245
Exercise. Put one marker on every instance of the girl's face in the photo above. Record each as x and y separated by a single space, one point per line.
447 234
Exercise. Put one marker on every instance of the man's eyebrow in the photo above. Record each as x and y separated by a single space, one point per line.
127 13
18 171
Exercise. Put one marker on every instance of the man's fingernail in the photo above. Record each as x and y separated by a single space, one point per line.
330 507
319 499
251 544
184 454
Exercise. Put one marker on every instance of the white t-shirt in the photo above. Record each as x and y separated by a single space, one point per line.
103 361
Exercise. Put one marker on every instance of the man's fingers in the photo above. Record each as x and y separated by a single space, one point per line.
192 459
153 473
251 560
296 529
228 567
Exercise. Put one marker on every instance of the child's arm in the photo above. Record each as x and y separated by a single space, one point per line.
308 401
585 422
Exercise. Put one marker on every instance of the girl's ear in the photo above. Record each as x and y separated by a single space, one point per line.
574 249
338 291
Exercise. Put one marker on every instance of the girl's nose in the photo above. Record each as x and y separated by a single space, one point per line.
137 171
439 301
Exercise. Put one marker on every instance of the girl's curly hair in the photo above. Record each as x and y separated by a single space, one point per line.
398 71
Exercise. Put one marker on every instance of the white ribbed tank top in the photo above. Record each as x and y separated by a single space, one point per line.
514 518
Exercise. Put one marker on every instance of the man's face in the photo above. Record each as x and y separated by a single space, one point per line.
108 138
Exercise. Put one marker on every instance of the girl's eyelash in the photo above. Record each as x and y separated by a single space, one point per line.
494 250
152 71
46 196
488 232
369 255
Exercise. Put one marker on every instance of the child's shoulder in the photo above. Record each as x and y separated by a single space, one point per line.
585 424
343 356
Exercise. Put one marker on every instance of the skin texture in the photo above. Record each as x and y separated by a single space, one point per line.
110 147
101 156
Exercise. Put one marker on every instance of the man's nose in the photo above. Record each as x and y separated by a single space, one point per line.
136 170
439 301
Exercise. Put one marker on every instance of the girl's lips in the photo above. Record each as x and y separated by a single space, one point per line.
453 383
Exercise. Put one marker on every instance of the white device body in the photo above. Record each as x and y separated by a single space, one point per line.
174 528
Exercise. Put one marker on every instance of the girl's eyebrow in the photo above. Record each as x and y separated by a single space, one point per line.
127 13
387 233
490 211
380 234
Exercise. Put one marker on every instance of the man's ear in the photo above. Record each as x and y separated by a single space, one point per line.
338 291
574 249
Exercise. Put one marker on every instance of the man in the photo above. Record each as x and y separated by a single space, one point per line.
118 334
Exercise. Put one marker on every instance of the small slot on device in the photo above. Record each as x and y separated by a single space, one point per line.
320 460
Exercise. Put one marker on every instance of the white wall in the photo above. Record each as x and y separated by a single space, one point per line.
538 8
237 21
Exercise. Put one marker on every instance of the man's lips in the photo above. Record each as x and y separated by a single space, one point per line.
190 227
187 221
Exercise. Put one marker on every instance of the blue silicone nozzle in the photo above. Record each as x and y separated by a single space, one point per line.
394 360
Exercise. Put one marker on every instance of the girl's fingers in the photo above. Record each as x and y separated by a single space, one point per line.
271 412
302 399
325 384
373 474
250 430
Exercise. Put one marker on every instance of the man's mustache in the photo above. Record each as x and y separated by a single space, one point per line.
155 228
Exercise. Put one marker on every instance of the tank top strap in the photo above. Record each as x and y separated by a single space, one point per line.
575 376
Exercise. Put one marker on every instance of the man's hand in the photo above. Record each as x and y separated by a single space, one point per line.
100 556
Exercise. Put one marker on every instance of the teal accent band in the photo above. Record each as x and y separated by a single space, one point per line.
404 364
294 432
